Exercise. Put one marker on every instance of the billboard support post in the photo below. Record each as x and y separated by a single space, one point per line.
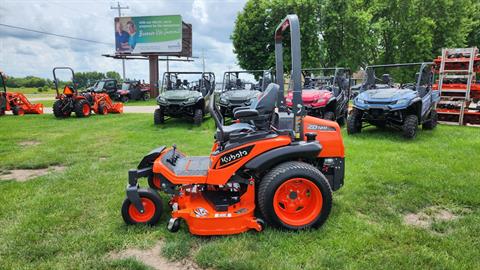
153 63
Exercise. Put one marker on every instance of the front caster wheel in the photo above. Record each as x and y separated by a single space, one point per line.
152 205
173 225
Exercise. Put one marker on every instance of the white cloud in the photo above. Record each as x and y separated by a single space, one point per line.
199 11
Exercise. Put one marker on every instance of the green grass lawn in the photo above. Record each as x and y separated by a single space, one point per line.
71 219
32 91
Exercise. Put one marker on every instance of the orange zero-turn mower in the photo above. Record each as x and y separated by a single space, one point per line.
70 100
16 102
283 163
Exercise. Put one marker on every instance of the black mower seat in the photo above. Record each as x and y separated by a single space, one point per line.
260 112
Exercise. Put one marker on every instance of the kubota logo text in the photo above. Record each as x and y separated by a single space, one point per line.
234 156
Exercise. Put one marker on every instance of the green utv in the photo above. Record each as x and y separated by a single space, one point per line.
239 88
180 96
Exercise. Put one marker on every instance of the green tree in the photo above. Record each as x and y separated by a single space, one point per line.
113 75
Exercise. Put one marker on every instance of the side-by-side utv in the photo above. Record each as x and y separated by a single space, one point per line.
180 97
326 93
274 160
382 102
239 89
16 102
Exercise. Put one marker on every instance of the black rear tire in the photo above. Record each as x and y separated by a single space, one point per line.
432 121
329 116
59 111
283 173
79 107
354 122
158 117
147 194
198 117
410 126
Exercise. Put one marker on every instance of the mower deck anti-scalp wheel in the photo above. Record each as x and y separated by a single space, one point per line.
410 126
173 225
198 117
59 111
295 195
158 117
82 108
354 122
17 110
431 122
329 116
102 109
153 208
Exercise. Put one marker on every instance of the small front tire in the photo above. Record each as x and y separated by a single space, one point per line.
17 110
82 108
152 205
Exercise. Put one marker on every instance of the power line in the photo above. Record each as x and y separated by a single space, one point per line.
56 35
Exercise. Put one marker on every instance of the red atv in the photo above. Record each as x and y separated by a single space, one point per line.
326 93
81 103
16 102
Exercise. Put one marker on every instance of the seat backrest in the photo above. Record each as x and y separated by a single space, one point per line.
267 101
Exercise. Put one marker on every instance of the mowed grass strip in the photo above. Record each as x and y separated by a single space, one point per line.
71 219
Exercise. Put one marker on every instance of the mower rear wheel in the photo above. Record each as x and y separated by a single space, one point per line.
17 110
102 109
59 111
152 205
329 116
410 126
354 122
158 117
295 195
432 120
198 117
82 108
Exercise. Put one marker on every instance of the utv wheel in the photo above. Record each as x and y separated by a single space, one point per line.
410 126
146 96
198 117
432 120
82 108
295 196
158 117
102 109
354 122
329 116
341 121
59 111
124 99
152 205
17 110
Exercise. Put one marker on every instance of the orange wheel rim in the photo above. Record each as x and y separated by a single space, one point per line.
86 109
297 202
148 213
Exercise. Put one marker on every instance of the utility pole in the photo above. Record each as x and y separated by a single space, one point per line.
119 8
203 60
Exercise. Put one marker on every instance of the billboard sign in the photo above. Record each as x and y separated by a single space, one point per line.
148 34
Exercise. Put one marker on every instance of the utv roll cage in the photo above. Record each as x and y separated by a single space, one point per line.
231 80
173 81
340 78
423 78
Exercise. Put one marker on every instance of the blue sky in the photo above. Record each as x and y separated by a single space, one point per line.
25 53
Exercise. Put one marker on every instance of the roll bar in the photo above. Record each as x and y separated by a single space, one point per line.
56 81
290 22
3 82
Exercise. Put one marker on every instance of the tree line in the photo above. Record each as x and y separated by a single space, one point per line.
355 33
83 79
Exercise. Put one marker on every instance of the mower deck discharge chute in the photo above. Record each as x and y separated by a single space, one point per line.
239 91
16 102
81 103
281 162
326 93
180 97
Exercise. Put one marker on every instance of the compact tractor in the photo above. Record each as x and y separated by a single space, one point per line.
382 102
238 91
180 97
16 102
70 100
326 93
274 166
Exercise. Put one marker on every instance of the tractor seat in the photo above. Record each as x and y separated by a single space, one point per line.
255 117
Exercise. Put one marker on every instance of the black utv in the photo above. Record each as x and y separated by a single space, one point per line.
181 97
239 88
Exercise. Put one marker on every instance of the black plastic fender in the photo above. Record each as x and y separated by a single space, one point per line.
148 160
265 161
